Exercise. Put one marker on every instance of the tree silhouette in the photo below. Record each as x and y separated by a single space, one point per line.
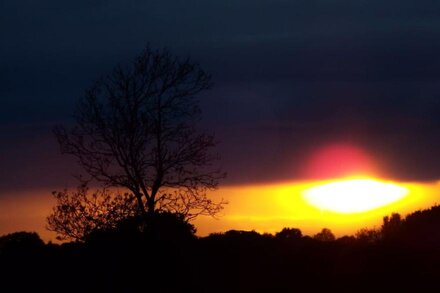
79 213
368 236
325 235
18 242
289 233
391 226
136 129
177 261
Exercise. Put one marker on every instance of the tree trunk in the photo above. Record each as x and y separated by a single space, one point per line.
151 206
141 206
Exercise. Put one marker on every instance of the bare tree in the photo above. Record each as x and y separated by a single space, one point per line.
136 128
79 213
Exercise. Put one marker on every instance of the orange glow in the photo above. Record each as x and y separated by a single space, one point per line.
264 208
269 208
354 195
338 160
26 211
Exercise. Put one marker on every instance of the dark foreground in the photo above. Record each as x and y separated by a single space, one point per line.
404 255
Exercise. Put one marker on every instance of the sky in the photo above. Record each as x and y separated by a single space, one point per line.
289 78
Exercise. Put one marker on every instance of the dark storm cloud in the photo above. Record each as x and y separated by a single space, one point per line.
289 75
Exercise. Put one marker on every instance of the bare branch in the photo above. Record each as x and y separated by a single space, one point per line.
79 213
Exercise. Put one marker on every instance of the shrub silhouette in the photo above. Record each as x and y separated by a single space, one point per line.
158 228
167 226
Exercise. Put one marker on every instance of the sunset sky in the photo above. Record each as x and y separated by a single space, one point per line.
306 92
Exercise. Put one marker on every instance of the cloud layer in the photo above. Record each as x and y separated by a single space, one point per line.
290 76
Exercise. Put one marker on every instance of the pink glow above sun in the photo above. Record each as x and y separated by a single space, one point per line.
338 160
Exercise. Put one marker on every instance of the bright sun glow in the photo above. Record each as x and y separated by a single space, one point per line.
354 195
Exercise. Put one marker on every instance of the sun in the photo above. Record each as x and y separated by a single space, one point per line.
353 195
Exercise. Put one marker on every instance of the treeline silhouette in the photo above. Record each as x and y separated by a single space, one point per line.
166 256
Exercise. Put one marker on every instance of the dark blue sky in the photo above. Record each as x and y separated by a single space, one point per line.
289 76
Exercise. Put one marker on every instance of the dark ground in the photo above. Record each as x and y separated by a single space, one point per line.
404 255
